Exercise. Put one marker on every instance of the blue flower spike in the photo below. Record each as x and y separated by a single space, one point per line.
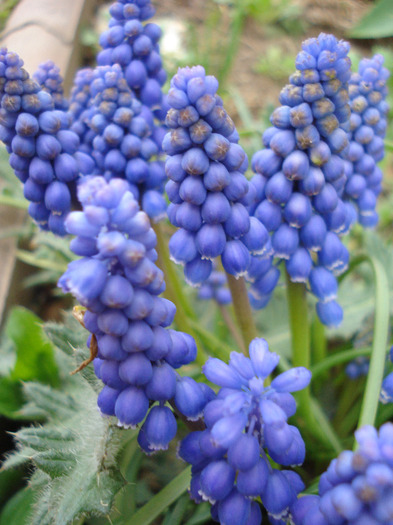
207 187
118 283
367 91
357 487
302 172
34 127
245 423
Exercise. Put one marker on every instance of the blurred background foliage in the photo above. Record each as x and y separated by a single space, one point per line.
250 46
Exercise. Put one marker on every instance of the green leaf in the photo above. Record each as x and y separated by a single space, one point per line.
34 353
162 500
68 335
9 483
377 23
74 452
11 397
18 509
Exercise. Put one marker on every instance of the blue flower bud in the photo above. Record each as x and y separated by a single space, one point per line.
299 265
296 165
323 284
216 208
131 406
162 385
197 271
238 221
217 480
297 210
330 313
283 143
106 400
235 258
189 398
266 162
278 188
160 427
277 494
281 117
210 240
136 370
234 509
269 214
285 241
182 246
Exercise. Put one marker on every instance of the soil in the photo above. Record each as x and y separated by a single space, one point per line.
314 16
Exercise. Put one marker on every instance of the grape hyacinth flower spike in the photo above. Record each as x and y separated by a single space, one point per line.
43 151
357 487
49 78
246 422
206 169
301 174
367 91
118 283
133 43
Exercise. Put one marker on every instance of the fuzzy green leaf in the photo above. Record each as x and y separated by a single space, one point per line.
74 451
34 353
18 509
377 23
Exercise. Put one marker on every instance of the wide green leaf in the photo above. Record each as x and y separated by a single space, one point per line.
377 23
74 450
34 354
18 509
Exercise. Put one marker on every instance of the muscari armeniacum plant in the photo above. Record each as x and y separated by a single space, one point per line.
357 487
243 443
119 284
302 174
246 424
132 44
43 150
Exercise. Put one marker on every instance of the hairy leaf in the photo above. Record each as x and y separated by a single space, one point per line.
74 450
34 353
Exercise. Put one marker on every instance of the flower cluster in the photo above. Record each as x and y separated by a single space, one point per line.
358 367
215 288
49 78
367 91
119 284
120 136
134 46
41 146
207 184
245 422
80 101
357 487
302 174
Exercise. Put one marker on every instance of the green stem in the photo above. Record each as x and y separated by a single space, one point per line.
174 292
326 427
242 309
161 500
325 431
378 356
300 339
226 316
171 277
337 359
318 338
